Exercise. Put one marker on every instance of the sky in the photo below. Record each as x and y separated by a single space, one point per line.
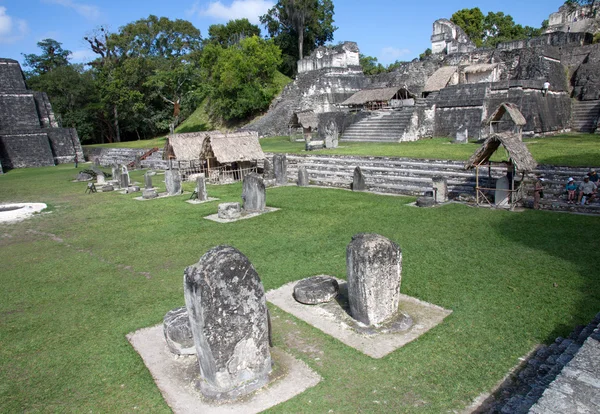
388 30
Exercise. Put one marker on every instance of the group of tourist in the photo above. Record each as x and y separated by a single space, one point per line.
585 191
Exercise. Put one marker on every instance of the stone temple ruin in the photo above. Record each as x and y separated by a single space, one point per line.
453 92
30 135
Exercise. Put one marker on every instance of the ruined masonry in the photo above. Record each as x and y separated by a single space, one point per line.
29 133
227 308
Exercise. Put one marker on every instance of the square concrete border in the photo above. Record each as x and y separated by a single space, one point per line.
174 376
425 316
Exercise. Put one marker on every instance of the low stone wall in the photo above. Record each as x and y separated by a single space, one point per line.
26 150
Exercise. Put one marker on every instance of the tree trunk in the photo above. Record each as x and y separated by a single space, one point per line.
117 132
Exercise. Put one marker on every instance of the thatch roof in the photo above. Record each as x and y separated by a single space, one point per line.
188 146
512 110
308 119
372 95
439 80
483 67
518 153
232 147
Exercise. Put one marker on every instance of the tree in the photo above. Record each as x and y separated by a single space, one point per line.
240 78
52 57
370 66
471 21
300 26
425 54
232 32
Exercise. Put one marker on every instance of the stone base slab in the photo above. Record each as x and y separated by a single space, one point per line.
174 375
333 319
201 202
245 216
161 195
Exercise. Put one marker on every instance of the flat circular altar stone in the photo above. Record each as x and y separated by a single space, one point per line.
316 289
178 332
425 202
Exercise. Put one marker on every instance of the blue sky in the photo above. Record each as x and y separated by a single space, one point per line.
389 30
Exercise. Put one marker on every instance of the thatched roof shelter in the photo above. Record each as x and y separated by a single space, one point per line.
308 120
440 78
518 152
480 68
372 95
232 147
513 112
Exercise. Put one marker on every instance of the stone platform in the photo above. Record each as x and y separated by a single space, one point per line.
332 318
244 216
195 202
174 376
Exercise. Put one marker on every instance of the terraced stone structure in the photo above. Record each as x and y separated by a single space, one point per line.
30 135
227 308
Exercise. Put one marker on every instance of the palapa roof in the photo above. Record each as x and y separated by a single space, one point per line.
372 95
483 67
440 78
308 119
188 146
518 152
512 110
232 147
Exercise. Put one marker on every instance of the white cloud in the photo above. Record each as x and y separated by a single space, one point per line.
11 29
238 9
392 54
82 56
85 10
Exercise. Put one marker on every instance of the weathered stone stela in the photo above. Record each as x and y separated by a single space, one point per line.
253 193
316 289
173 182
178 332
229 211
201 192
228 314
358 181
374 273
280 168
302 176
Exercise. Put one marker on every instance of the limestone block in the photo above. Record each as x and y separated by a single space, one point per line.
228 315
316 289
149 193
229 211
358 182
173 182
268 173
425 202
331 135
107 188
280 168
124 180
374 273
302 176
84 177
148 181
178 332
253 193
440 189
201 188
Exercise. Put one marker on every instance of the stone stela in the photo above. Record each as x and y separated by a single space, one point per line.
173 182
254 194
280 165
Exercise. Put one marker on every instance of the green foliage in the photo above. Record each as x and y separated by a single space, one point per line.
232 32
240 78
491 29
425 54
370 66
596 38
298 27
53 56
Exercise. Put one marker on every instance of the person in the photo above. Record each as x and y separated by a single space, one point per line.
593 176
587 189
76 161
538 192
571 190
545 88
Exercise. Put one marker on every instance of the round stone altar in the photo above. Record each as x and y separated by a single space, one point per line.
316 289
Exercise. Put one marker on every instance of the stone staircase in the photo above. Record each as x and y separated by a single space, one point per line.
125 156
381 126
585 116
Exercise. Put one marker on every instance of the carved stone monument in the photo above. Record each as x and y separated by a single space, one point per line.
178 332
149 191
268 173
227 309
173 182
116 173
374 273
100 178
229 211
440 189
280 168
124 181
358 181
331 135
316 289
201 193
253 193
302 176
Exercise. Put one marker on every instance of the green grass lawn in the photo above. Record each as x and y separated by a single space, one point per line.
77 279
576 150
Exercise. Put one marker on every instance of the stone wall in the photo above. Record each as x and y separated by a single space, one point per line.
26 150
11 77
342 56
65 144
18 112
45 112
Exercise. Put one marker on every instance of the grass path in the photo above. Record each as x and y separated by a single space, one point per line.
77 280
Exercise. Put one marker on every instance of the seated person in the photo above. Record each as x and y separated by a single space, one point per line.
571 190
593 176
587 189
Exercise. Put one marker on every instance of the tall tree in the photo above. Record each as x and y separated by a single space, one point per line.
471 21
52 56
299 26
232 32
